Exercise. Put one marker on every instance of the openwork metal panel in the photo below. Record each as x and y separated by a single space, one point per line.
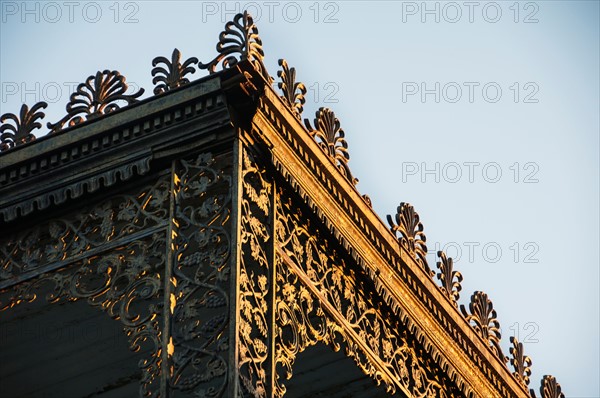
113 255
324 298
199 277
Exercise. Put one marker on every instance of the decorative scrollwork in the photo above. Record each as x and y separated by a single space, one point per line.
239 37
412 238
63 238
125 283
201 276
447 276
172 74
549 388
484 321
321 299
293 91
330 137
254 293
519 361
99 95
25 123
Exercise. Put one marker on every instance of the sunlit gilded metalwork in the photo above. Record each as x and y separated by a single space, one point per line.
519 361
412 238
255 272
484 320
549 388
331 138
293 91
450 279
321 299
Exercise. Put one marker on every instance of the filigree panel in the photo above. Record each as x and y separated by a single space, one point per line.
199 298
254 292
320 298
125 282
62 239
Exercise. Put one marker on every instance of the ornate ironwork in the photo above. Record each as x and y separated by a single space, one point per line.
483 319
412 238
172 74
64 238
519 361
322 299
125 283
295 287
254 276
199 283
99 95
293 91
239 37
330 137
450 279
24 124
549 388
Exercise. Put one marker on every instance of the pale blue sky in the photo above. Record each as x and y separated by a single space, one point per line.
361 59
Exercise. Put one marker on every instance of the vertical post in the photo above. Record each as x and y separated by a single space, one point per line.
167 314
272 289
236 197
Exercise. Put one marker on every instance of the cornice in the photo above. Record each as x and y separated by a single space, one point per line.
115 147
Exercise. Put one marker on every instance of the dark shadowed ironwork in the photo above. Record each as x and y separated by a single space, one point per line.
172 72
99 95
21 132
239 37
